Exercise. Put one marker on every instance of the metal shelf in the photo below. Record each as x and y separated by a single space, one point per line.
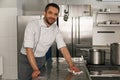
106 13
108 25
112 12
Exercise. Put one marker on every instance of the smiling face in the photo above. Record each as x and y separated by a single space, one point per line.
50 16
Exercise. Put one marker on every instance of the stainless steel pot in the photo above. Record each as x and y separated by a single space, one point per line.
115 53
97 56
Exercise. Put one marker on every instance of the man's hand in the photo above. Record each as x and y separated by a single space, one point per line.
35 73
74 68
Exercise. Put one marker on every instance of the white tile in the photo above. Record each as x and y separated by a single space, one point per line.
8 26
12 25
12 44
3 30
10 59
8 11
3 44
10 73
8 3
8 48
10 65
8 22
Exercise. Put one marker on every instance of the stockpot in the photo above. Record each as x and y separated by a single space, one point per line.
115 53
96 56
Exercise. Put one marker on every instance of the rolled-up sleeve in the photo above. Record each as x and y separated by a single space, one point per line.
29 36
59 40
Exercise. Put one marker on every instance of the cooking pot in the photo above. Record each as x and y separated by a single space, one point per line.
115 53
97 56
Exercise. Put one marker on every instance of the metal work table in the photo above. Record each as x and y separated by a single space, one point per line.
57 70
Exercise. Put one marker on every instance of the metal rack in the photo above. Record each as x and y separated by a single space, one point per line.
106 17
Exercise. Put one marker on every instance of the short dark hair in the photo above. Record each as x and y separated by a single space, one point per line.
53 5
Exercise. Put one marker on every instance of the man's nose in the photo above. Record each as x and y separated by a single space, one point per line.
53 15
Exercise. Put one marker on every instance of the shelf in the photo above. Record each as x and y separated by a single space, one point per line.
108 25
112 12
110 0
108 16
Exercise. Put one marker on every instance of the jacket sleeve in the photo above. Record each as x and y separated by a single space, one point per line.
29 36
59 39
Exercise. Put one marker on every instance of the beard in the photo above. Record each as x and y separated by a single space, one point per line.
49 20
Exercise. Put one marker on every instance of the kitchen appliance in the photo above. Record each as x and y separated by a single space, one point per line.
76 25
115 53
77 33
97 56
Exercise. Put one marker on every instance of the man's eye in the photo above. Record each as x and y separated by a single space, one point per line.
50 12
56 14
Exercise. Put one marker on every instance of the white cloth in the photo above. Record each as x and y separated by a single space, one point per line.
75 73
39 37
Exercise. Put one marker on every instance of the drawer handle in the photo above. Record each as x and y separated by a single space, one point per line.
105 31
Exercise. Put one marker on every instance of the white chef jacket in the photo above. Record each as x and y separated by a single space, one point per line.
39 37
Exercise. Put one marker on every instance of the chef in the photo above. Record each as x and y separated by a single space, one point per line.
38 38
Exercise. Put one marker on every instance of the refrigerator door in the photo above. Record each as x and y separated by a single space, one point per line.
84 32
21 24
83 36
66 29
77 33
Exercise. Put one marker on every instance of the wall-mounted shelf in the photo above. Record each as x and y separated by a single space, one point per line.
112 12
103 19
108 25
110 0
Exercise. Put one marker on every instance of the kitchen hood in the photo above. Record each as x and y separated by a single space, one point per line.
31 7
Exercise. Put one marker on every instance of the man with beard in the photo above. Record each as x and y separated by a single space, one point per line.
38 38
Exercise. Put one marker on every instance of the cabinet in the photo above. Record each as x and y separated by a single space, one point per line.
108 19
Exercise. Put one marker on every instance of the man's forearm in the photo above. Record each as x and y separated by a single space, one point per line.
31 58
67 56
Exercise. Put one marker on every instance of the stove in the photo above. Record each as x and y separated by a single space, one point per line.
106 70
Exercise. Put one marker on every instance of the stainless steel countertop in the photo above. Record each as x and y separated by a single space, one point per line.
57 70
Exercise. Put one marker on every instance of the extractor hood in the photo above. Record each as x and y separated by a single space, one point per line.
31 7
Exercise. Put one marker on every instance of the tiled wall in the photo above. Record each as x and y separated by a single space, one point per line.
1 65
8 42
7 3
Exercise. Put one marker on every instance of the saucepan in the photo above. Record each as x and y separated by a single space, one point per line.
96 56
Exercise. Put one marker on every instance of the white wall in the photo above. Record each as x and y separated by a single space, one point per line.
8 38
8 41
7 3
